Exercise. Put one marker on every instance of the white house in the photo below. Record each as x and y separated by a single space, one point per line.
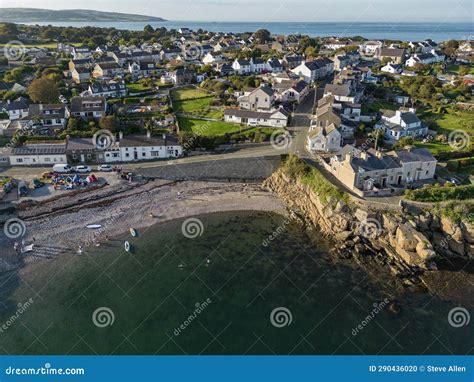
313 70
276 118
369 48
325 139
392 68
38 154
88 107
399 124
110 90
145 147
258 65
16 109
242 67
425 58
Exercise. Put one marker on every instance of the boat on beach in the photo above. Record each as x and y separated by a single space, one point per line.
94 226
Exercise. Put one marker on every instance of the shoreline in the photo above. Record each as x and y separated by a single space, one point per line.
140 207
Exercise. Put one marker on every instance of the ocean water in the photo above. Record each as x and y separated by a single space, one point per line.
228 290
410 31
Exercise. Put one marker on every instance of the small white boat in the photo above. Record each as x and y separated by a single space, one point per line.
28 248
94 226
127 246
133 232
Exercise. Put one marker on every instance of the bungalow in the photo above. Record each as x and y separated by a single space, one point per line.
400 123
295 92
276 118
108 90
392 68
261 98
242 67
38 154
313 70
88 107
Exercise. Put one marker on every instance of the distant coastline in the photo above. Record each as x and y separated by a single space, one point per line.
408 31
33 15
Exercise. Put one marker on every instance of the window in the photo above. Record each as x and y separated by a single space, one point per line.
19 160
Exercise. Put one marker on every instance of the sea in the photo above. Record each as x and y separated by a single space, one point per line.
405 31
226 283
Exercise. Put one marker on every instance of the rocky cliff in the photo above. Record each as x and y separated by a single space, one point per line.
411 242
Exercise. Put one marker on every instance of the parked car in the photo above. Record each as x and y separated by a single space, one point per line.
105 168
62 168
22 189
83 169
36 183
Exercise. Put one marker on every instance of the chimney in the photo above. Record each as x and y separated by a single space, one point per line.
148 134
120 135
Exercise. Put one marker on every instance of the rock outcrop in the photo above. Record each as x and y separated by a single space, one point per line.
410 240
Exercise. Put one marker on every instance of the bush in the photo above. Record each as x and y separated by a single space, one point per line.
439 194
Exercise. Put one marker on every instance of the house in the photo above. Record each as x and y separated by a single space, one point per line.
258 65
291 91
326 138
400 123
292 61
348 59
425 58
107 90
170 54
182 76
81 150
146 147
242 67
392 68
275 118
213 58
38 154
274 66
311 71
425 46
261 98
335 43
16 109
111 70
373 173
143 68
225 70
80 75
120 58
342 92
81 52
369 48
394 55
88 107
49 115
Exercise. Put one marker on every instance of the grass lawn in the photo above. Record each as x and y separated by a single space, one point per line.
454 69
207 128
265 131
48 45
199 107
377 106
137 88
452 120
188 93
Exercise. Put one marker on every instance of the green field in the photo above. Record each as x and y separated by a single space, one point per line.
137 87
188 93
377 106
455 69
48 45
207 128
200 107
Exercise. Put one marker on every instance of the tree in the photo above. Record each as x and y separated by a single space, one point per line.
109 123
43 90
262 36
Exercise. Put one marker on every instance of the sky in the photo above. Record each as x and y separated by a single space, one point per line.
274 10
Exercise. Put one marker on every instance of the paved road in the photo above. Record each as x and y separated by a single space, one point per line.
28 173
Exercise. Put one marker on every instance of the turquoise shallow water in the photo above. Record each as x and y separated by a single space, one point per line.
215 294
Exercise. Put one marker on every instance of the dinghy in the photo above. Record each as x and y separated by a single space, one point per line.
28 248
133 232
127 246
94 226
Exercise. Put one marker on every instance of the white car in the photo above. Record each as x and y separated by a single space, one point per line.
105 168
83 169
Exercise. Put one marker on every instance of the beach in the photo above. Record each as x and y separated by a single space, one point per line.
59 225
